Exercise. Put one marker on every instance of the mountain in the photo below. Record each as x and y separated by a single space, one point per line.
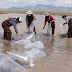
42 8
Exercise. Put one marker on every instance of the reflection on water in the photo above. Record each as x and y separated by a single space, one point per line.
58 49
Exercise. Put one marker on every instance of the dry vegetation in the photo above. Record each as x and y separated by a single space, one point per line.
39 12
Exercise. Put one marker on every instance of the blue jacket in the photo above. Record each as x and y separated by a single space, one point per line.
13 22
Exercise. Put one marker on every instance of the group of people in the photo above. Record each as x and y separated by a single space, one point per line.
30 25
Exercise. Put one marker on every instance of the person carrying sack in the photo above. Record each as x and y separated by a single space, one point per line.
50 20
29 21
8 23
69 22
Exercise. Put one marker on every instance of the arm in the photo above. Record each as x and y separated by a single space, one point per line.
45 23
66 21
26 22
18 35
14 25
34 18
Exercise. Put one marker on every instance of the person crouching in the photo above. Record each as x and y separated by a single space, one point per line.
69 22
8 23
50 20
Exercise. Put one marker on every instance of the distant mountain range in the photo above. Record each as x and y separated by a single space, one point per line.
41 7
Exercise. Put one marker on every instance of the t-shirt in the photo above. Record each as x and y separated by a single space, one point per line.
51 18
29 16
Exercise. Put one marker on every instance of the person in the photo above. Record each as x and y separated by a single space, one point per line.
8 23
29 21
69 22
51 21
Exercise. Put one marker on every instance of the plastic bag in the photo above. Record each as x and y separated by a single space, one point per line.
35 53
8 65
30 37
63 29
30 46
23 42
47 30
39 44
21 59
2 55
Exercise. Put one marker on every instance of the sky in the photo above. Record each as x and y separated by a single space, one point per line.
23 3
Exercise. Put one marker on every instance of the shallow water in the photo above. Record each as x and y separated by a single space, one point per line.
58 49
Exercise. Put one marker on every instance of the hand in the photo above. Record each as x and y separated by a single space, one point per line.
63 23
20 38
43 27
51 21
18 35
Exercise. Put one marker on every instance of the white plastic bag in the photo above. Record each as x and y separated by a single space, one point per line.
8 65
35 53
30 37
30 46
23 42
63 29
49 29
21 58
39 44
2 55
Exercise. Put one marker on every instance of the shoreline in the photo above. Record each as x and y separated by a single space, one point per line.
69 13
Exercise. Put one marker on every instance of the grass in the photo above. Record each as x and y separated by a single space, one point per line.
69 13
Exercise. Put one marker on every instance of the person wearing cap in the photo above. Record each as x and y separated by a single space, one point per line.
69 22
50 19
8 23
29 21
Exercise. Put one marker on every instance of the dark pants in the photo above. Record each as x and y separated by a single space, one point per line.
7 31
70 31
69 35
53 27
34 29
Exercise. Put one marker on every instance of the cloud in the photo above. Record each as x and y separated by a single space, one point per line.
23 3
65 3
36 1
14 1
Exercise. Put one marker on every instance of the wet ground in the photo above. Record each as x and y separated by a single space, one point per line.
58 49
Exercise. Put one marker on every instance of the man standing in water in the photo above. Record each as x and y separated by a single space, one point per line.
29 21
69 22
50 20
8 23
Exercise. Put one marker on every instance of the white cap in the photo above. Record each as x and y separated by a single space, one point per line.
20 19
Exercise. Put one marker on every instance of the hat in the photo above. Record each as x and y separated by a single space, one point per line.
29 12
46 14
19 19
64 16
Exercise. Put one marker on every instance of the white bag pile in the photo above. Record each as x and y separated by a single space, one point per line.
27 57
